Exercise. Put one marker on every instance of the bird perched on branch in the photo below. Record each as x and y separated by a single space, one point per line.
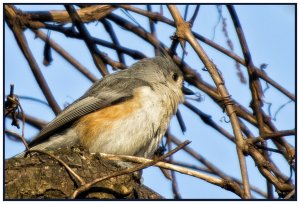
127 112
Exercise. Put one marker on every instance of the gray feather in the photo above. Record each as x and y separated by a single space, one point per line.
103 93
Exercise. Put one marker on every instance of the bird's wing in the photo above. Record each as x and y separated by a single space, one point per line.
102 94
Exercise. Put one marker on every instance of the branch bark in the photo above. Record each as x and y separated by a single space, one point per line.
87 14
41 177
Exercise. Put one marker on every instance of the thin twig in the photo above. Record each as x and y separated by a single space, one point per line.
11 17
127 171
200 158
246 130
208 121
129 26
152 29
254 84
184 32
70 32
291 194
14 136
157 17
269 149
229 185
194 78
87 39
229 43
186 11
269 171
195 14
273 135
180 121
23 127
192 166
115 64
190 74
35 122
175 189
34 99
269 184
67 56
282 106
108 27
13 107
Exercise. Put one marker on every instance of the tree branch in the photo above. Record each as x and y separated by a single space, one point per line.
126 171
67 56
87 38
157 17
11 17
184 32
87 14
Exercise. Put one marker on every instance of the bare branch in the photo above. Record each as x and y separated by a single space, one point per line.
67 56
157 17
87 14
255 146
207 120
254 84
152 29
35 122
86 35
195 14
223 183
184 32
192 77
273 135
290 195
108 27
11 17
126 171
70 32
13 107
175 189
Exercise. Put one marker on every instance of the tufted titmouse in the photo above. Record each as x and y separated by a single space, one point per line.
126 113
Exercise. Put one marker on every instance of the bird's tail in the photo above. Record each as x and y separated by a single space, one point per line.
67 139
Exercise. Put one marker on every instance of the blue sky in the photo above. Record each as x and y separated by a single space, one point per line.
270 33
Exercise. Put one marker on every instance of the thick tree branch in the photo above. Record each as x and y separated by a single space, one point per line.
42 177
87 14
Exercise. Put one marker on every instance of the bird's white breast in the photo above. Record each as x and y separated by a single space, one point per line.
140 132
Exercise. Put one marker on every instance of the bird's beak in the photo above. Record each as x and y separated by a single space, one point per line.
187 91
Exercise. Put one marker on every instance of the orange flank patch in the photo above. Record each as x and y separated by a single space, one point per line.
90 126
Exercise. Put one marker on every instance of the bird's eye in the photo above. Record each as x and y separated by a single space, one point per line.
175 76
